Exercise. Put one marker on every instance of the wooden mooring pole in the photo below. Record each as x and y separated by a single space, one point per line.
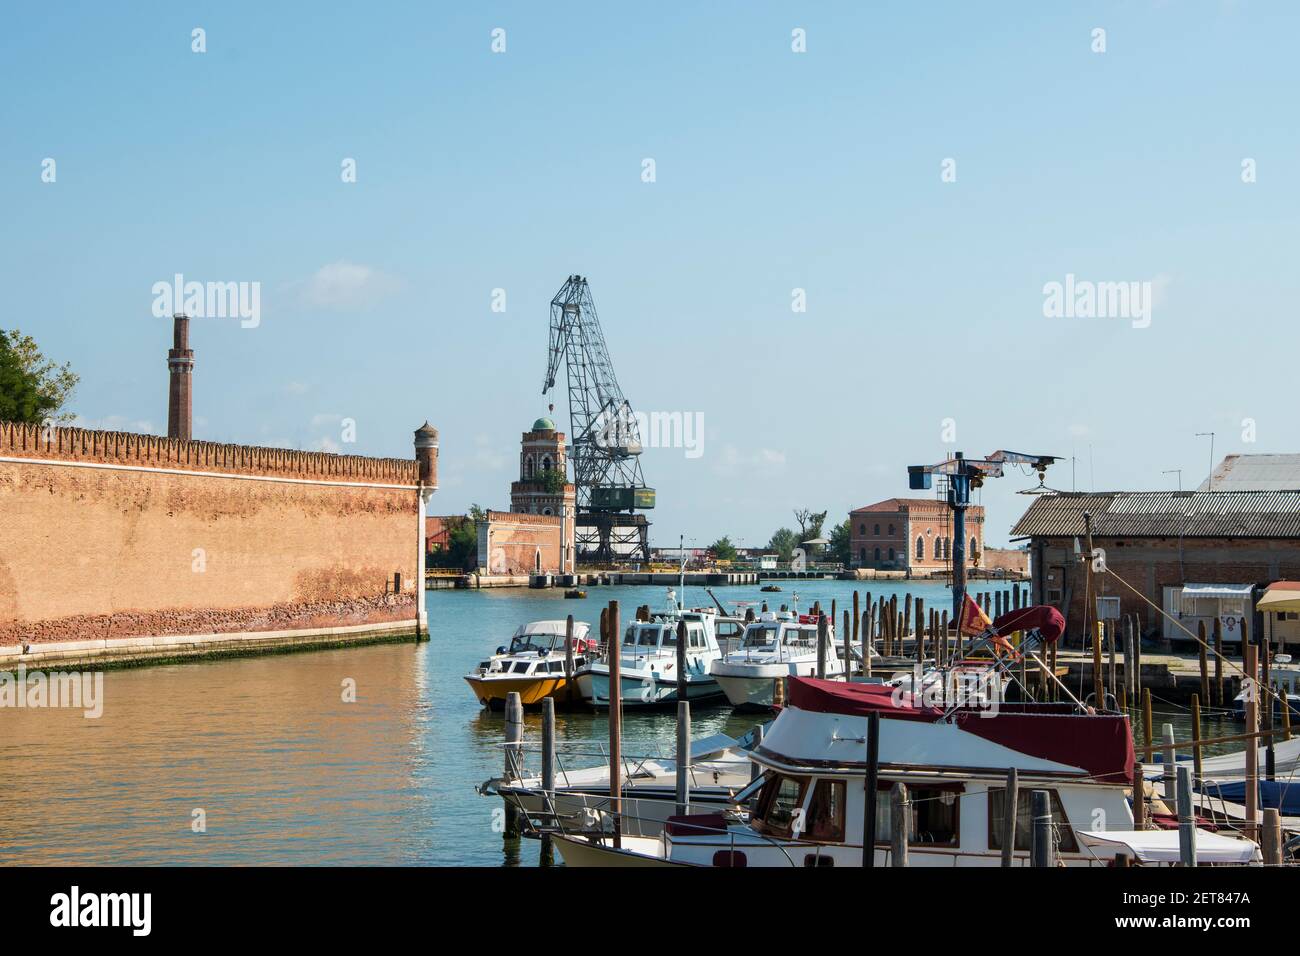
513 760
900 812
821 646
1196 738
1203 661
1139 797
1271 842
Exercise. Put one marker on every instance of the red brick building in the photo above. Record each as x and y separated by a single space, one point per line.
911 534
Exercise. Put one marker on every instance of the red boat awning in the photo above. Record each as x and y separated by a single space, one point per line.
1100 744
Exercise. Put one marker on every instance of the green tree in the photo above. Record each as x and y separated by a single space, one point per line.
839 549
783 542
723 549
32 388
810 523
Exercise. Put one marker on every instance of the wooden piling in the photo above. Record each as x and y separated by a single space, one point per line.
857 620
1271 838
1012 799
682 690
1196 738
615 723
1168 772
1147 729
548 755
920 631
1186 819
1139 797
907 615
1219 701
821 646
1203 661
513 759
900 812
848 645
867 643
1041 810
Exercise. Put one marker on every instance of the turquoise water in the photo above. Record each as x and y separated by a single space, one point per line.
285 771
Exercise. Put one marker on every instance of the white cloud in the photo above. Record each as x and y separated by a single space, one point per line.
345 285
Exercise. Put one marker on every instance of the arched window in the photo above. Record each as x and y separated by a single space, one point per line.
920 548
947 549
877 554
862 529
862 554
877 532
537 561
891 554
891 530
546 511
528 467
973 547
546 463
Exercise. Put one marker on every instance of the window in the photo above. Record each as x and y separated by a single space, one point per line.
877 554
670 637
1024 821
695 637
891 529
973 548
920 548
862 529
780 798
934 812
826 813
877 530
630 636
862 554
947 549
891 554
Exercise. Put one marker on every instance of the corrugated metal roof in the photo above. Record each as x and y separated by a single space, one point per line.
1166 514
1256 473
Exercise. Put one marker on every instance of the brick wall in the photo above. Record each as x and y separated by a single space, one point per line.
1149 565
876 528
512 543
110 534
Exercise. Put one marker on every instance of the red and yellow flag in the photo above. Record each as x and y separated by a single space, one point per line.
974 621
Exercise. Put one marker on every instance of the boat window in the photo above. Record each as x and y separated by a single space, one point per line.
670 637
521 667
695 636
529 642
555 666
758 635
777 804
1024 821
630 636
934 814
800 635
826 812
649 637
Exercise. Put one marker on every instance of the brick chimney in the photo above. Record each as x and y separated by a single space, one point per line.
180 366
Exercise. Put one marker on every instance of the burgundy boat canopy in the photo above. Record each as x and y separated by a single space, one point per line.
1100 744
1044 618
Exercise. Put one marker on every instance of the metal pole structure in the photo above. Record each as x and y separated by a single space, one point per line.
958 501
870 790
548 775
821 645
1012 795
1041 810
1186 819
615 724
683 757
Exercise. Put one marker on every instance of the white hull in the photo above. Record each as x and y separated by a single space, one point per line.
642 688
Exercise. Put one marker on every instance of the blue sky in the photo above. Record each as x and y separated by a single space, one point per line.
775 170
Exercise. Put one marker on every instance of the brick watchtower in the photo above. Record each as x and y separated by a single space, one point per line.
543 487
180 366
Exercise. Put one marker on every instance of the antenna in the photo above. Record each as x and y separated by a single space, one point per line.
1209 482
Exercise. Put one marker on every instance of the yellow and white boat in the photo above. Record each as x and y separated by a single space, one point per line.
533 665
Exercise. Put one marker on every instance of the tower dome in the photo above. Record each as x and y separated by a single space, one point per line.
543 425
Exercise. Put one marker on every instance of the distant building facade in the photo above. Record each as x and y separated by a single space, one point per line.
911 534
536 536
1197 555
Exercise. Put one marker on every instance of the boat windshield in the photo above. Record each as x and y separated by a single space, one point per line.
528 643
760 635
799 635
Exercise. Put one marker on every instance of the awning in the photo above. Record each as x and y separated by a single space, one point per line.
1217 590
1282 596
1161 846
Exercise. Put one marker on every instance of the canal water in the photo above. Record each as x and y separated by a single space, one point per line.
261 760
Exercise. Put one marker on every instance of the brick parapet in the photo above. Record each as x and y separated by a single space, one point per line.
89 446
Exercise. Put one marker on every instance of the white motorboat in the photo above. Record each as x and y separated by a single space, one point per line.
779 645
648 662
809 807
719 769
532 665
